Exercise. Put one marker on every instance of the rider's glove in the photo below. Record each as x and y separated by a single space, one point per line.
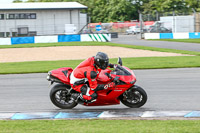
109 85
115 66
112 65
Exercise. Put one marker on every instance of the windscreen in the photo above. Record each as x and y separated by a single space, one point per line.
120 71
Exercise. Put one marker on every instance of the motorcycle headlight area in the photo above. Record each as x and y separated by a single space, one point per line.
48 75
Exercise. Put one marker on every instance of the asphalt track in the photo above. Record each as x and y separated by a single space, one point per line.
132 40
167 89
171 92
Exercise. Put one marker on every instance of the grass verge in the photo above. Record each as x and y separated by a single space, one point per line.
100 126
132 63
179 40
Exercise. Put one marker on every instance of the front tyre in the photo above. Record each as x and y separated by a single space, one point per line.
61 97
134 97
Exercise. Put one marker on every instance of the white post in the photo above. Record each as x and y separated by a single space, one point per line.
5 24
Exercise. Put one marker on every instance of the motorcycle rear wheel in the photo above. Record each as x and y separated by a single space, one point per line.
59 97
135 97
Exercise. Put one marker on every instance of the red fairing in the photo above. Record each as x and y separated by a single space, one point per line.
102 78
110 96
127 79
59 73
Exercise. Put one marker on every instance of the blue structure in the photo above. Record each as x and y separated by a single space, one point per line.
166 35
98 27
22 40
69 38
184 35
194 35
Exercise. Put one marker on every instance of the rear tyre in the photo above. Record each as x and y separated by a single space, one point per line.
61 97
134 97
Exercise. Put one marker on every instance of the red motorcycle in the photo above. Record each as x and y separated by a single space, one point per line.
125 90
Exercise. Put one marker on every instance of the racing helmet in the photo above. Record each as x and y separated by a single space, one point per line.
101 60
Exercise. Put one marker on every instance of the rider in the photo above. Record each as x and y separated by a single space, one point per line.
88 70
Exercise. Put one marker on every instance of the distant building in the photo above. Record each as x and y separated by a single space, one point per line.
48 18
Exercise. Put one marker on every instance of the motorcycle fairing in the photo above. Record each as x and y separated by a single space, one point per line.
103 79
63 74
108 97
111 96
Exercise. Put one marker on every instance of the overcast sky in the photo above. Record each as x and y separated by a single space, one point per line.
5 1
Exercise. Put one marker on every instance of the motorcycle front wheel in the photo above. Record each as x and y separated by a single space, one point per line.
61 97
134 97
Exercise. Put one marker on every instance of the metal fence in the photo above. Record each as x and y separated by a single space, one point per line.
167 22
117 27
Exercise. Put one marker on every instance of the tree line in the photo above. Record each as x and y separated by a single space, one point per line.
126 10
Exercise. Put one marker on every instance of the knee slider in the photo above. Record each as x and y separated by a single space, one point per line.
94 96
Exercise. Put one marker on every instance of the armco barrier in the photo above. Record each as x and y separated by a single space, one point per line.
22 40
180 36
152 35
194 35
5 41
166 36
187 35
54 39
96 37
46 39
69 38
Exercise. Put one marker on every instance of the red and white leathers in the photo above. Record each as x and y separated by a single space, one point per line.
85 70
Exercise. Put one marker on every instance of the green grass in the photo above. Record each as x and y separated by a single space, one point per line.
179 40
133 63
100 126
31 45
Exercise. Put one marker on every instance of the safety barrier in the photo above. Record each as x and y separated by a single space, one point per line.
54 39
96 37
189 35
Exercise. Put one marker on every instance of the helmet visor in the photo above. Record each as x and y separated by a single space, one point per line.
104 64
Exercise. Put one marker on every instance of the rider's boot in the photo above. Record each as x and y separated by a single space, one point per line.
78 98
75 96
81 100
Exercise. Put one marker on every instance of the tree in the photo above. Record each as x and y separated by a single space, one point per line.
195 4
179 6
17 1
121 10
32 1
105 10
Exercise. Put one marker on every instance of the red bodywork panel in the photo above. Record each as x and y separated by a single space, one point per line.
110 96
59 73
